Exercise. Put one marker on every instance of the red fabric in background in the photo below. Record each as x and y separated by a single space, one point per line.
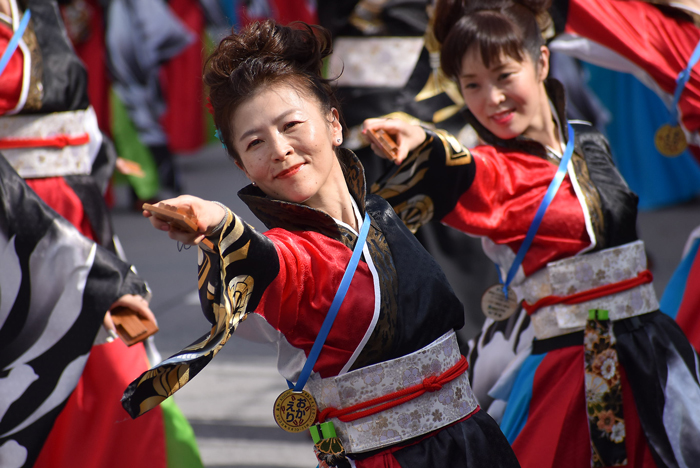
687 317
181 78
384 459
59 196
93 53
93 430
295 10
655 42
556 432
11 82
283 11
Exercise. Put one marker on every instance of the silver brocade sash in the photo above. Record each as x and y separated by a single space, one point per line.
51 161
424 414
581 273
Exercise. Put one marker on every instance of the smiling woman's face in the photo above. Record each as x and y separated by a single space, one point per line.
505 97
285 142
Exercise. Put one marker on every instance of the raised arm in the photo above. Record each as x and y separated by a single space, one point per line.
434 171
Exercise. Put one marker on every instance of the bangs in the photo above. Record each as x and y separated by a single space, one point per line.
492 34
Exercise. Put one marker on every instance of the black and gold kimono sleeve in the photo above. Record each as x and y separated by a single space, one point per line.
231 281
430 181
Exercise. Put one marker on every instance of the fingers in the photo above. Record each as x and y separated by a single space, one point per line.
407 136
391 126
395 129
136 303
204 213
108 323
402 152
187 238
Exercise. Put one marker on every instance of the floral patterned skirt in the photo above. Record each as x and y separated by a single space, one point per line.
551 422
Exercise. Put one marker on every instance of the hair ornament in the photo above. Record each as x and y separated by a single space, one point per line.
217 134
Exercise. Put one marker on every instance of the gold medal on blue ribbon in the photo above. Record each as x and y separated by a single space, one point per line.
496 305
295 411
500 302
670 140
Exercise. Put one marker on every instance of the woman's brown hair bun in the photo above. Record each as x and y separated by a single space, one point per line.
260 55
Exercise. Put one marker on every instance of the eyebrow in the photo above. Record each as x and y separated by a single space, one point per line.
256 130
493 69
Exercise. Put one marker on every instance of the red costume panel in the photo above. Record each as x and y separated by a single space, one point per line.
502 202
658 45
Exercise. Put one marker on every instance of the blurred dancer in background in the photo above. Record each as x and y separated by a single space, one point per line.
681 298
49 134
56 287
653 40
659 43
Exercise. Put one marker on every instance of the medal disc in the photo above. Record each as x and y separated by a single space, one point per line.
295 411
495 305
670 140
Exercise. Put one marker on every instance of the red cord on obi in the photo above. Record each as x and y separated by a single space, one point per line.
56 141
377 405
642 278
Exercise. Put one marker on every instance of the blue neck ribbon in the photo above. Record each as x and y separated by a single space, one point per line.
681 81
335 307
544 204
14 41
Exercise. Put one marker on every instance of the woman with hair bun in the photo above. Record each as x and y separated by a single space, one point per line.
607 378
388 384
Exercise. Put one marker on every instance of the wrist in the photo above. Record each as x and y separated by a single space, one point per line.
216 229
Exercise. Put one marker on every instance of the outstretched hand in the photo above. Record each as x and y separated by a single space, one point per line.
407 136
208 215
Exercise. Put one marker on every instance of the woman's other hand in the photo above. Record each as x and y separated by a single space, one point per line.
208 216
407 136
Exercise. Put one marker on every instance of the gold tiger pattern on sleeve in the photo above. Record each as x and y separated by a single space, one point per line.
429 181
226 282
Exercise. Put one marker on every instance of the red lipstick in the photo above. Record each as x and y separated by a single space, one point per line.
289 172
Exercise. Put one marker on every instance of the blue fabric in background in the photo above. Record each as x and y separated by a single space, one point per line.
637 112
229 8
518 406
673 294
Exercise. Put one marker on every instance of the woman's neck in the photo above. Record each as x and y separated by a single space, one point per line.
543 128
334 198
5 7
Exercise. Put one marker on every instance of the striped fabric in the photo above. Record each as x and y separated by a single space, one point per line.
55 286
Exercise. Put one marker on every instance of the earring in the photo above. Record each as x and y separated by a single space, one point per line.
338 140
254 184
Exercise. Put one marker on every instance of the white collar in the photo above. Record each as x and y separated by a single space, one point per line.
551 150
681 6
358 218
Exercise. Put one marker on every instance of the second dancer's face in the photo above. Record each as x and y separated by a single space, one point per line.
507 96
285 142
